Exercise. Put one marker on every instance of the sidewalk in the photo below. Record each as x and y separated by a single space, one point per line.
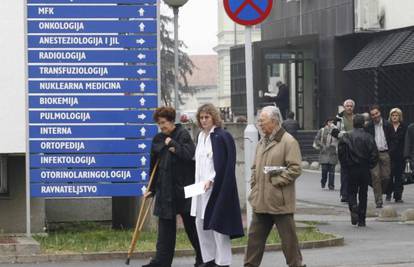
380 244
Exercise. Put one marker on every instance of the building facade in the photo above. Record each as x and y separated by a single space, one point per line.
307 44
228 34
202 84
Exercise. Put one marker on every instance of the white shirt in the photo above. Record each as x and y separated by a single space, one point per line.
204 171
380 139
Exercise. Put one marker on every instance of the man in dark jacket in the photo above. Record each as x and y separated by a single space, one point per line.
409 144
282 98
174 150
381 130
358 153
290 124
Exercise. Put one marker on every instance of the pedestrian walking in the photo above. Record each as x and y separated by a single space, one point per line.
328 156
344 123
395 187
381 130
174 149
275 169
358 153
409 148
290 124
217 211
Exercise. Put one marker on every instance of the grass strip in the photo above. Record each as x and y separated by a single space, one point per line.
96 237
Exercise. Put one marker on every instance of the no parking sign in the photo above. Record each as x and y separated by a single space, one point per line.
248 12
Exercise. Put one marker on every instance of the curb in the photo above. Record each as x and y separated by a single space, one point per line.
43 258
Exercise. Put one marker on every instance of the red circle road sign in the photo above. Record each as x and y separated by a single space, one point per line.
248 12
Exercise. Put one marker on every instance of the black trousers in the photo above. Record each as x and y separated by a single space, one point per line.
396 184
328 170
358 181
344 182
167 231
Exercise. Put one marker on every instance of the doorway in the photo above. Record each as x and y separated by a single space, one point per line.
298 73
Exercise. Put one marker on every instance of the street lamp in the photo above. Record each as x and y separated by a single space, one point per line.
175 5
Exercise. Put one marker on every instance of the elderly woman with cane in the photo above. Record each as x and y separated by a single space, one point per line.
217 211
174 150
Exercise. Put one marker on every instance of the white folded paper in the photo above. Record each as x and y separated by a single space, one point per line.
273 169
194 190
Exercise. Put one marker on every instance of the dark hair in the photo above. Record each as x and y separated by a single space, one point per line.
359 121
291 115
375 106
167 113
329 119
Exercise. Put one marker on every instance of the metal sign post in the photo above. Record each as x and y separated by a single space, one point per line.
248 13
250 133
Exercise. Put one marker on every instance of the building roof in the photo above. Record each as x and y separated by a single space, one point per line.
205 71
404 54
377 51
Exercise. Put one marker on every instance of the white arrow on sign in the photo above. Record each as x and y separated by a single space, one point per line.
143 161
141 12
142 101
141 56
141 71
143 175
141 27
142 116
143 189
143 131
140 41
142 146
142 86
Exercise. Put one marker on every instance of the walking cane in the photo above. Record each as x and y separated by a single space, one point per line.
143 212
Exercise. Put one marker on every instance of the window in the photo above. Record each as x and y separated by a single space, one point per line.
4 190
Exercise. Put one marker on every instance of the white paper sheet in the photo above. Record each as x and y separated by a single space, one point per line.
194 190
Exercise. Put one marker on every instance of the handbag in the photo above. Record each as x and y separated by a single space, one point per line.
407 176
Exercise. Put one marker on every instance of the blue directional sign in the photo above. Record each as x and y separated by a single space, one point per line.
86 116
99 131
130 11
90 161
92 41
87 190
90 146
85 56
92 101
87 87
89 26
91 1
92 71
92 86
88 175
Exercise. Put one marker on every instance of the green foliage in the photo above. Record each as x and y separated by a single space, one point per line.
94 237
185 64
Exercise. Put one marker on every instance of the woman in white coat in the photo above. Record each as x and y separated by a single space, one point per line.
217 211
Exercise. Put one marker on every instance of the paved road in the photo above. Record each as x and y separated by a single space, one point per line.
380 244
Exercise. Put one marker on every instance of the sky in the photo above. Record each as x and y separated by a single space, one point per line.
197 25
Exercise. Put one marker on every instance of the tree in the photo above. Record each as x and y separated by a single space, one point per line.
185 65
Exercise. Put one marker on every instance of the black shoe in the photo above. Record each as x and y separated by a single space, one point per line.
331 188
399 201
354 218
322 186
152 264
361 224
388 198
344 199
